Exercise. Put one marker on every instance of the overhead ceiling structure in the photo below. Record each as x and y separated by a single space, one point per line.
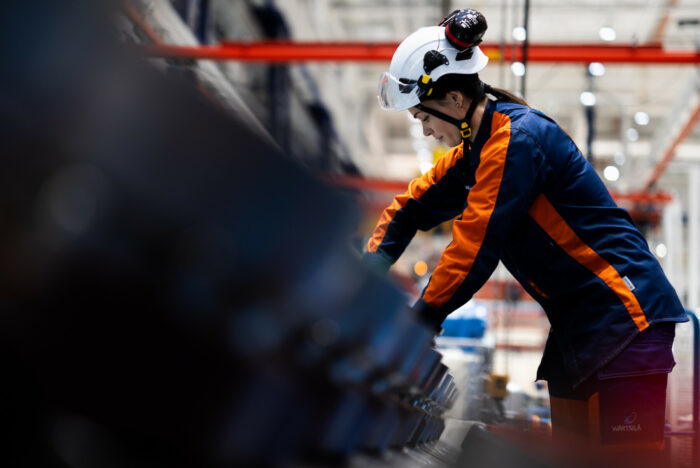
645 113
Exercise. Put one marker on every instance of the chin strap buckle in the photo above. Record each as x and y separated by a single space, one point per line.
465 130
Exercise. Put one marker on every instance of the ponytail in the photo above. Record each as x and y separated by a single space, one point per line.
503 95
471 86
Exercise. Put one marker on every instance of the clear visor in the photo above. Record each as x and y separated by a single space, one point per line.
396 94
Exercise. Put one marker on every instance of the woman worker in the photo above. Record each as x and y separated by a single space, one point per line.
523 194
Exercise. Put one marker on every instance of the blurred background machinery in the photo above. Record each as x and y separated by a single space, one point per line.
169 300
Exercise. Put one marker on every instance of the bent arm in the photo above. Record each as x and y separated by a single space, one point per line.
435 197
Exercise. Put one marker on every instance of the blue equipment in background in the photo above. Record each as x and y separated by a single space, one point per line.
469 321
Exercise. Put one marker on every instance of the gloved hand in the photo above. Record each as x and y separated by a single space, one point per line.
428 315
377 261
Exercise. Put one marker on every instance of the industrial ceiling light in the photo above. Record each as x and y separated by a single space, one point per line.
596 69
587 98
641 118
661 250
519 33
611 173
607 33
619 158
518 68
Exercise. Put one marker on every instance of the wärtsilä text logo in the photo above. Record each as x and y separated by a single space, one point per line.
629 424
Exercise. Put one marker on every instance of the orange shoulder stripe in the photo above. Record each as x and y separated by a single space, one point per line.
554 225
416 188
468 233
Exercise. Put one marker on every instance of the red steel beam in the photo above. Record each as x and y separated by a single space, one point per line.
289 51
399 186
368 183
650 198
671 152
663 22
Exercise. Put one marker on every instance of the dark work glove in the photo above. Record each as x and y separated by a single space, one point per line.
428 316
377 261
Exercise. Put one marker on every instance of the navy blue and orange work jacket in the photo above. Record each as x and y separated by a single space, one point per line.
526 196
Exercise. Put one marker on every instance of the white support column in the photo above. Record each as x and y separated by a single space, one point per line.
694 238
673 239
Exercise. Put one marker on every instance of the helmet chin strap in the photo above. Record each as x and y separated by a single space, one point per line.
463 125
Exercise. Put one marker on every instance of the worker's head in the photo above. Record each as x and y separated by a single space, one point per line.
452 96
436 67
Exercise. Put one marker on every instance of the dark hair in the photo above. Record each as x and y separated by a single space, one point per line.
469 85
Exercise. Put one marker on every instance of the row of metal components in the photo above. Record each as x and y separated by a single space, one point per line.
371 377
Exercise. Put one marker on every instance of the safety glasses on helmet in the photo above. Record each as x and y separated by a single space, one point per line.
395 92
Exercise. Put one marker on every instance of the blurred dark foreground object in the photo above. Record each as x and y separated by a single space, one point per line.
175 292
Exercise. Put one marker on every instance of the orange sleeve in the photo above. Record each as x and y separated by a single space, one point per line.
469 232
416 189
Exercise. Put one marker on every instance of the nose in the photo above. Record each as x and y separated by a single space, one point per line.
427 131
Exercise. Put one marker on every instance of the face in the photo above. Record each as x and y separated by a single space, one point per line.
439 129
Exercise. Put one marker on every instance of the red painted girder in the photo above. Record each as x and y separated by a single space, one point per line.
671 151
289 51
398 186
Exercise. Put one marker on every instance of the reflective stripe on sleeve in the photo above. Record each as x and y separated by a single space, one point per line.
470 231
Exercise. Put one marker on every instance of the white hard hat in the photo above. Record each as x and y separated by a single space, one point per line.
410 76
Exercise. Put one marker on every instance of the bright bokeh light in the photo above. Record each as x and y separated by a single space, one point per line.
519 33
641 118
424 167
632 134
513 387
518 68
425 160
661 250
619 158
587 98
420 268
607 33
611 173
596 69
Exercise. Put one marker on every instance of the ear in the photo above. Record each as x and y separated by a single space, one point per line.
455 98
